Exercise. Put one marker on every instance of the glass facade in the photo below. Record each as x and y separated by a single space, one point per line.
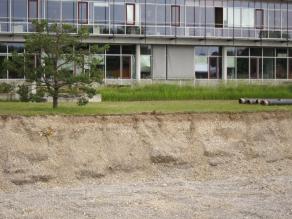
248 19
118 62
256 20
258 63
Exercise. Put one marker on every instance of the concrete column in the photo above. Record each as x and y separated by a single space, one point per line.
138 62
33 88
224 63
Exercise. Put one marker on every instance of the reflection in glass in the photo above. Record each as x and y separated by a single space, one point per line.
15 47
126 67
83 12
68 11
3 73
101 13
248 17
16 74
268 68
32 9
215 68
256 68
53 11
201 67
113 64
3 48
281 68
4 15
145 66
19 10
242 68
130 14
231 63
290 69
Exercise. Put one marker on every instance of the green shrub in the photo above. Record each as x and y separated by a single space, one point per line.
38 97
82 101
89 91
23 92
6 88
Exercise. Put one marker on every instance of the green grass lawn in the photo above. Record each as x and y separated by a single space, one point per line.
104 108
187 92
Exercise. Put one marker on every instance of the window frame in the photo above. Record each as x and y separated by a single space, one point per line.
134 14
175 9
80 20
29 11
216 10
262 17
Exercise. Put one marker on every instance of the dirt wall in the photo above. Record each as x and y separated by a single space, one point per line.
56 150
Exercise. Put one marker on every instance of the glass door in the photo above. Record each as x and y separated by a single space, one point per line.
255 68
126 67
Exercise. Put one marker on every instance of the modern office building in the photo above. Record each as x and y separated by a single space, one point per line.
167 39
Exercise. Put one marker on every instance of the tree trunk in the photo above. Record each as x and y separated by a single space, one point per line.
55 101
55 97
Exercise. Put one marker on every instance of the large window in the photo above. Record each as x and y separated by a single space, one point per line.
259 18
281 63
268 68
242 68
281 68
175 15
3 48
101 12
219 17
101 17
120 62
130 14
248 17
290 69
118 12
208 63
68 11
83 12
19 10
53 11
3 73
145 62
4 15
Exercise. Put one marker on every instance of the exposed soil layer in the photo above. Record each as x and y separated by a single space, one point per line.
136 166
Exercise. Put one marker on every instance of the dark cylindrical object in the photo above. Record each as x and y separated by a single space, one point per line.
276 102
251 101
242 101
247 101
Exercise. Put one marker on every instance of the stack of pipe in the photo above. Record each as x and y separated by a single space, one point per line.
265 101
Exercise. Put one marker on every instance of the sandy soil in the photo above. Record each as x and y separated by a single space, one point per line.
147 166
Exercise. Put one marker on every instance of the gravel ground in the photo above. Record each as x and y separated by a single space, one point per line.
269 197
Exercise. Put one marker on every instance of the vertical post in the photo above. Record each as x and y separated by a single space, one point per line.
224 64
138 62
10 17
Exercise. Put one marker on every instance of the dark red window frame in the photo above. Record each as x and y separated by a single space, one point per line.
175 15
262 12
82 21
134 14
37 9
